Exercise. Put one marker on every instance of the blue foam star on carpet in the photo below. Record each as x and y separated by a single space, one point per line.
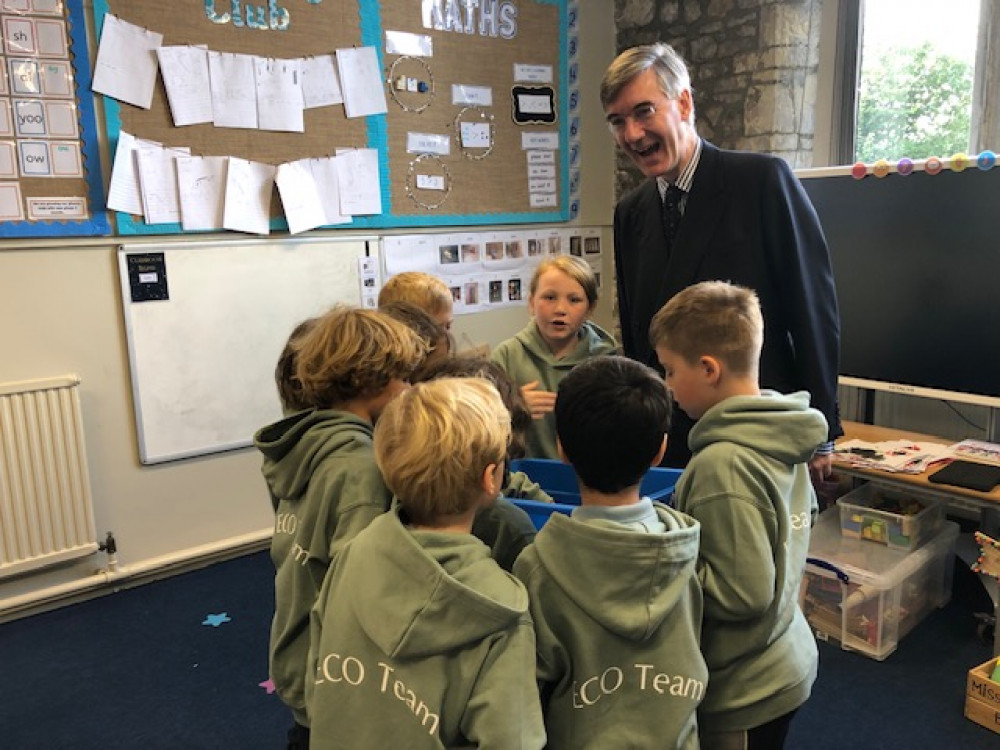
216 620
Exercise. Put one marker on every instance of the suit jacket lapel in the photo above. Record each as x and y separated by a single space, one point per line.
700 222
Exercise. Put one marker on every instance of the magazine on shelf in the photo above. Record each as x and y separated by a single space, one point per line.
978 450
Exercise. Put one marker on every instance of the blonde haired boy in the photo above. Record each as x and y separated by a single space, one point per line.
320 469
424 290
418 638
748 484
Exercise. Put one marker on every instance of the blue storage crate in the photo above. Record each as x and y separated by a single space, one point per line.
559 482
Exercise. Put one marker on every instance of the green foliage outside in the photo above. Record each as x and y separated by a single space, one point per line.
913 102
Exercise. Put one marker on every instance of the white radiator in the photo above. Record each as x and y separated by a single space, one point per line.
46 514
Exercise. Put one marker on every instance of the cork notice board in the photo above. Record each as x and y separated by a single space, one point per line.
499 69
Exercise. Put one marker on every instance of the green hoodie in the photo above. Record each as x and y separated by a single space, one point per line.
320 469
420 641
617 617
526 357
748 484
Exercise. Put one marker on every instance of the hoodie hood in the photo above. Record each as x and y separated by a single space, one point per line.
592 340
628 582
414 601
783 427
296 445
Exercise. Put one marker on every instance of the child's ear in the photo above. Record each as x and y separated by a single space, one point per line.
560 453
492 480
660 453
711 368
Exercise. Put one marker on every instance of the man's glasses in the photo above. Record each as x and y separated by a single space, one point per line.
641 115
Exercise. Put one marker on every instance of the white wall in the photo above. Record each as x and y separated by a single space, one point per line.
60 312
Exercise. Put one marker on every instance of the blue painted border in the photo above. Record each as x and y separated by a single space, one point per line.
98 223
377 138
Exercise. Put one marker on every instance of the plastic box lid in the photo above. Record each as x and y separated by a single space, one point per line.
874 564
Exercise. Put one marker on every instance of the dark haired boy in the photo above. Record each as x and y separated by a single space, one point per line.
614 597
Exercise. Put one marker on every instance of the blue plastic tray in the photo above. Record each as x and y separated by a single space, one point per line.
559 481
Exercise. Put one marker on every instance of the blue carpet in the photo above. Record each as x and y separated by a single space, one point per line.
137 670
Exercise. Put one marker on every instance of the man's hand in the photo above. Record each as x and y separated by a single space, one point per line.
820 467
539 402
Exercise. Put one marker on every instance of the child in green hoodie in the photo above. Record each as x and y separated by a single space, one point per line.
748 483
319 465
505 528
614 595
418 639
560 336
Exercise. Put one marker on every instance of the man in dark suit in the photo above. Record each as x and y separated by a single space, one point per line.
704 214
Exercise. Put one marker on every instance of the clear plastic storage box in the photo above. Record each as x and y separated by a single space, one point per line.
868 596
890 517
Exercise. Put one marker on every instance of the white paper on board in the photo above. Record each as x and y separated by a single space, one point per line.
299 197
186 79
360 191
361 79
249 185
202 184
234 91
279 95
126 62
321 82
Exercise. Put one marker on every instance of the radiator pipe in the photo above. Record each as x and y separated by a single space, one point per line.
111 547
153 568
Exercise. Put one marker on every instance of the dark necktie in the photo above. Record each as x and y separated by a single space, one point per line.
671 214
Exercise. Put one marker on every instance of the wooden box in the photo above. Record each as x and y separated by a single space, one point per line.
982 696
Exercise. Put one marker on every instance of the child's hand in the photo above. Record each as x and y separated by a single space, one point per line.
539 402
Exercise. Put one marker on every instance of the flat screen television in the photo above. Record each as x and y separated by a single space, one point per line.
917 265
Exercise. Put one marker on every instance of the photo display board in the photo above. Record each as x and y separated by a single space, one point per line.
458 108
50 173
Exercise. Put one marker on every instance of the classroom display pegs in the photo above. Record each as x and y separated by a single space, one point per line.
932 165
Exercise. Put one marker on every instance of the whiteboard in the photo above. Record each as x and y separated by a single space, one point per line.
202 361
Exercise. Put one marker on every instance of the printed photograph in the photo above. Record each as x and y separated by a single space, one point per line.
472 293
514 249
449 253
575 246
496 291
456 293
470 253
494 250
555 245
514 290
592 245
534 247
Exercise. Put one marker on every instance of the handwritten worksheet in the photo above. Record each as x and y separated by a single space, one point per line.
126 62
299 197
186 78
249 186
201 181
279 95
234 92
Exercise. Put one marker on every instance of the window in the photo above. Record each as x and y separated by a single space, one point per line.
916 79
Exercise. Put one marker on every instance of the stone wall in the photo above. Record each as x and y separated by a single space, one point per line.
753 67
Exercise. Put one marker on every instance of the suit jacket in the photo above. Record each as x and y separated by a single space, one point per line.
748 221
